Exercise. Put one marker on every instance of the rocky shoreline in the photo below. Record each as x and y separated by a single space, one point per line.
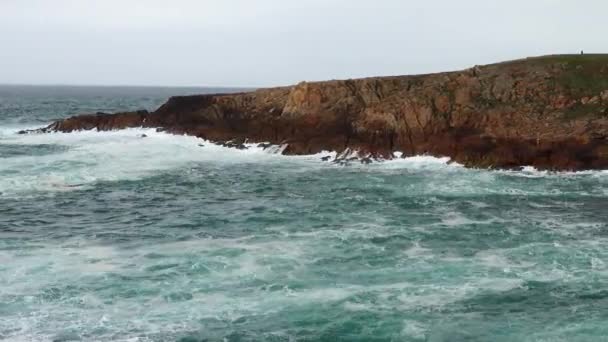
548 112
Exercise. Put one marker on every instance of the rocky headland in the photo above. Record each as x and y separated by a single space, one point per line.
549 112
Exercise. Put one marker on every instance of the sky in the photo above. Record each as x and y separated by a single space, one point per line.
256 43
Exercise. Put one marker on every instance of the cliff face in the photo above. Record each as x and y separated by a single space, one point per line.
549 112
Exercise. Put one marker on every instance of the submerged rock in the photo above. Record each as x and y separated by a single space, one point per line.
265 145
366 160
34 131
347 160
239 145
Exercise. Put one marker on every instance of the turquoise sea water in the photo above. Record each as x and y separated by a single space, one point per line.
107 236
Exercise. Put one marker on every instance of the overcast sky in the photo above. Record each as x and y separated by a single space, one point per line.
277 42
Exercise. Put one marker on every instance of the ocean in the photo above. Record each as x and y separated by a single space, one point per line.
108 236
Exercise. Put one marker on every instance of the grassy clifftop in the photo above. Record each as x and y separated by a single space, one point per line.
582 75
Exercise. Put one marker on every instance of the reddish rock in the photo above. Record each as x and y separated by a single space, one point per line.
549 112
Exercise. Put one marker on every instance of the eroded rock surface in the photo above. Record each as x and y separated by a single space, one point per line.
549 112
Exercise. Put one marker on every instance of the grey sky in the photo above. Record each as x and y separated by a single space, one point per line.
276 42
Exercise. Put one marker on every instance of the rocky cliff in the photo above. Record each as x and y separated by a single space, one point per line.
549 112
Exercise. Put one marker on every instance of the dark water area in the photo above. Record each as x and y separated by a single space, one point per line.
107 236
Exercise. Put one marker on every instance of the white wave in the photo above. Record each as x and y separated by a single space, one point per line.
11 130
435 296
276 149
457 219
134 153
418 252
423 162
532 172
92 156
414 329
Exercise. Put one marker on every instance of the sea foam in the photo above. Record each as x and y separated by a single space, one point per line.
91 156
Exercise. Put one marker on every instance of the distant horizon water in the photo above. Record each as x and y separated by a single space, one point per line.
59 85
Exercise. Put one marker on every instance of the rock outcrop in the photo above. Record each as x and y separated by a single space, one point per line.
548 112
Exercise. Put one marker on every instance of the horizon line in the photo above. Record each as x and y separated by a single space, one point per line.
23 84
84 85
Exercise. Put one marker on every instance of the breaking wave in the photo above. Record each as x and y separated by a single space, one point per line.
69 161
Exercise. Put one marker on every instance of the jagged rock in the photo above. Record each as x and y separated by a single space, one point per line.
326 158
543 112
238 144
34 131
264 145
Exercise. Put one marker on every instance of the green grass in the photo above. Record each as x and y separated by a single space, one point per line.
570 58
578 76
580 111
583 75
